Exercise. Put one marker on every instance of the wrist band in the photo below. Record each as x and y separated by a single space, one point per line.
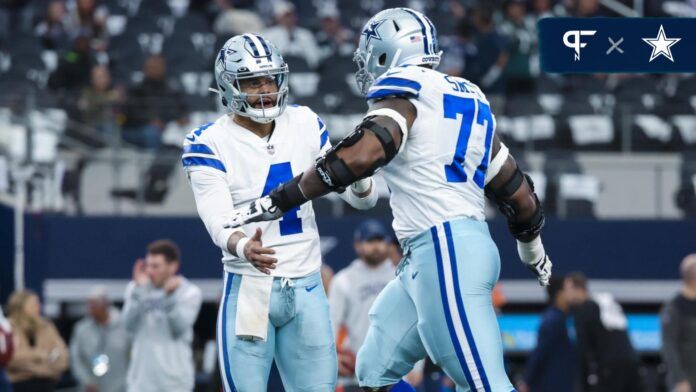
240 248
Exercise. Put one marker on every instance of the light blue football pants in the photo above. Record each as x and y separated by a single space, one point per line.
439 305
299 339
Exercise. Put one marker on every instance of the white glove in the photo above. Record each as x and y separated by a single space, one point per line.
534 257
258 210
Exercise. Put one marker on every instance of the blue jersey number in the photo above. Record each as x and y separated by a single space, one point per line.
453 105
278 174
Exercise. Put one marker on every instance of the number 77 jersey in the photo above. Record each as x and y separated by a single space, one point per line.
440 173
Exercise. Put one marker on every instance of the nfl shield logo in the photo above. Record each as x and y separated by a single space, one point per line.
270 148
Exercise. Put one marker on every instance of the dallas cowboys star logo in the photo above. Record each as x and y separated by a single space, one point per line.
371 31
661 45
221 56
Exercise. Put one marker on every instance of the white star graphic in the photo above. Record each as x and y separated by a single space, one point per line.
661 45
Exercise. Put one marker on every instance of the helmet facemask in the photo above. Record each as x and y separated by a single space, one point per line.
239 102
363 77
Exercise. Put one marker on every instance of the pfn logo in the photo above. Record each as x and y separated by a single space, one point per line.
576 44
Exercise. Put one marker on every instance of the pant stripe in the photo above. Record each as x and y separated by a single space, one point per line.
445 305
222 336
462 312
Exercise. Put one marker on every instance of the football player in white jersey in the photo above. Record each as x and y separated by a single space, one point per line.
271 307
434 136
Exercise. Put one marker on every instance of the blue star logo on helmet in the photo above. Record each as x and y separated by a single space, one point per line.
221 56
371 31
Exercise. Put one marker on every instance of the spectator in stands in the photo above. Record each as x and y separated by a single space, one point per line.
543 9
486 67
333 38
6 351
352 292
679 332
40 356
72 74
98 102
151 104
159 311
54 29
231 20
602 339
14 16
88 19
552 365
519 31
588 9
291 39
100 346
458 49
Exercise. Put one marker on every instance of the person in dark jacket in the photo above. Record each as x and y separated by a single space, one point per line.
151 104
552 365
603 344
679 332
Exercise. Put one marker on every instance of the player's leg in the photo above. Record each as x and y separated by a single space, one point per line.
305 351
456 273
392 345
244 365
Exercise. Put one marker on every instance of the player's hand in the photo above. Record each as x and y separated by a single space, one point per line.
172 284
258 210
139 274
346 362
255 253
542 269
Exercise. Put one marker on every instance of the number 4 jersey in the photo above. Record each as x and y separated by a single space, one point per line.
228 166
440 173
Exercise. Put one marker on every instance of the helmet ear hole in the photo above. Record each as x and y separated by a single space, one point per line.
382 59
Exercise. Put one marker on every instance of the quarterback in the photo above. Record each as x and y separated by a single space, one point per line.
271 307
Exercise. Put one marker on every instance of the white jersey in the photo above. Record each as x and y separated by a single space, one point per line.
351 294
229 166
440 173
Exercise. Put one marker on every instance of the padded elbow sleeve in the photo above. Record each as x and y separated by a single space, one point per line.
523 230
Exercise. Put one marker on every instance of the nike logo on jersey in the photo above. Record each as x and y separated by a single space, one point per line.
191 138
413 275
310 288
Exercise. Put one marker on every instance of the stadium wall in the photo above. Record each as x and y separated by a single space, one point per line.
91 248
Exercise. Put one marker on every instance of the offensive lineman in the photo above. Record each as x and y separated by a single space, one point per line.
271 307
434 137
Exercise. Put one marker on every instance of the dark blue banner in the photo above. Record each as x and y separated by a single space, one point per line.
626 45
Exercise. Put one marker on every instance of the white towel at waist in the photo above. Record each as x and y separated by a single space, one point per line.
253 302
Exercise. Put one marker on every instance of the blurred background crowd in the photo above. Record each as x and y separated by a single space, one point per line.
97 95
89 84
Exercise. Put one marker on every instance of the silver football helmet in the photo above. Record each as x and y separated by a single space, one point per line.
394 37
250 56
